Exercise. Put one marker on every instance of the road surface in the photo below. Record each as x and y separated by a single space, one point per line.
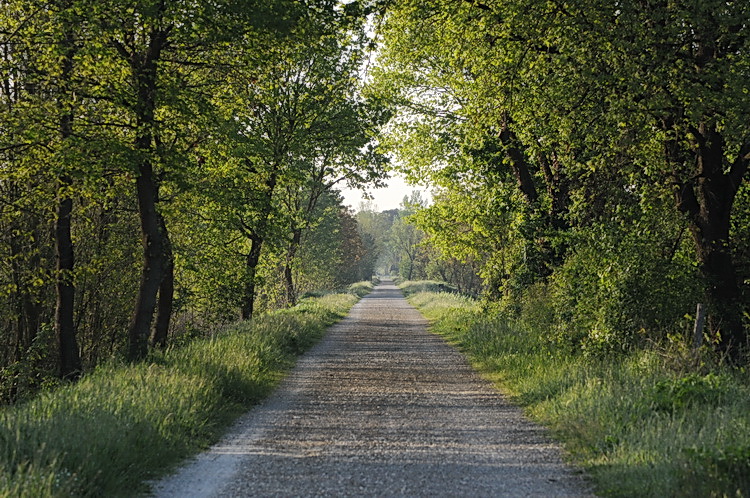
381 407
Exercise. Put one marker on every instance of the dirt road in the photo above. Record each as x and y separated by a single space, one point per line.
381 408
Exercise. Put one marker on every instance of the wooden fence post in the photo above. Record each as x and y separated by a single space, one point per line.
700 320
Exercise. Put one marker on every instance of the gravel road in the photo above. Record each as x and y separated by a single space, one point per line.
381 407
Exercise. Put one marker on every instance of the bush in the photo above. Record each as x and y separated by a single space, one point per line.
617 291
409 287
677 394
361 289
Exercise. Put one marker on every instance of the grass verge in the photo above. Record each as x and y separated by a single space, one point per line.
638 424
124 424
361 289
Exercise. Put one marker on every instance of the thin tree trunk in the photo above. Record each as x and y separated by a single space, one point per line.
255 234
17 298
519 165
557 189
70 360
153 268
251 264
291 291
154 234
166 293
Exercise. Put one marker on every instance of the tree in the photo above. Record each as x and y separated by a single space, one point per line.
557 97
164 50
299 129
38 77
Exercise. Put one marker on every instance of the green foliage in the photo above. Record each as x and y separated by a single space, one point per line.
227 102
124 424
718 472
619 289
571 147
680 393
409 287
361 289
23 379
638 426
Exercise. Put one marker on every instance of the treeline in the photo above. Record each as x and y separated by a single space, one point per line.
168 165
396 246
591 159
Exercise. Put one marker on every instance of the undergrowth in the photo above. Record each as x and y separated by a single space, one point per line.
124 424
641 424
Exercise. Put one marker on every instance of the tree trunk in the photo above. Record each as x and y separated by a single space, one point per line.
251 264
557 189
291 291
519 165
166 293
153 270
70 360
153 231
708 199
255 234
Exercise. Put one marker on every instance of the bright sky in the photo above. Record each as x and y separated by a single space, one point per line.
386 198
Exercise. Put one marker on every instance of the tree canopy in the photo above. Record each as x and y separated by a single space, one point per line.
566 128
167 165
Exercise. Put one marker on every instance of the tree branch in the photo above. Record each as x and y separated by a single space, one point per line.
739 167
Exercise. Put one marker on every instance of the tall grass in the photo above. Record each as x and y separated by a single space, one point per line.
640 424
363 288
124 424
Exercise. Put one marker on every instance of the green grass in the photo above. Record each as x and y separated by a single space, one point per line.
124 424
361 289
641 425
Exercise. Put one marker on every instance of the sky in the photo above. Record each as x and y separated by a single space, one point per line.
386 198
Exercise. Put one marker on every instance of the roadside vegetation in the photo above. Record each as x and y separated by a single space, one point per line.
660 421
126 423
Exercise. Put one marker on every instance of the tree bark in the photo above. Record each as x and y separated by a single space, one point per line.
166 293
154 234
70 360
557 189
251 264
519 165
707 199
255 234
291 291
153 270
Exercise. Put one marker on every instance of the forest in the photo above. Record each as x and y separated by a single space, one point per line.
171 166
168 166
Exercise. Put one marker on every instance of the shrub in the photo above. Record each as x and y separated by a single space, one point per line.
636 426
617 291
410 287
677 394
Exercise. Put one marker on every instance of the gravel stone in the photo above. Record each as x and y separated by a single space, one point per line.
381 407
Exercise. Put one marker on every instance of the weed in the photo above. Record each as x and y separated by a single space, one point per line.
677 394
